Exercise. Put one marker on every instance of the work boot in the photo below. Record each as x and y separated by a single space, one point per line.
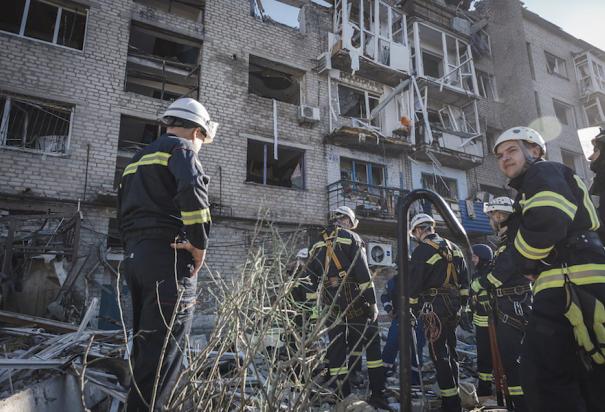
379 401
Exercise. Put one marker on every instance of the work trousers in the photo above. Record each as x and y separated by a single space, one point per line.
553 374
484 359
149 268
443 351
509 334
364 335
391 348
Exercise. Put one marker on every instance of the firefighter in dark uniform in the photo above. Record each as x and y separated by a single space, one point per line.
163 206
508 297
597 165
339 268
556 244
439 289
482 259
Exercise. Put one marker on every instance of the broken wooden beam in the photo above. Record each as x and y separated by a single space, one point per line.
25 320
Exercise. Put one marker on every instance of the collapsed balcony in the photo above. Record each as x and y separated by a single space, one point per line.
453 137
374 206
370 40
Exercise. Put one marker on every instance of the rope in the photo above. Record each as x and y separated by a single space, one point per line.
432 326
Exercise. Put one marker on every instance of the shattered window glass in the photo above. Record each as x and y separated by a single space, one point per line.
41 21
285 171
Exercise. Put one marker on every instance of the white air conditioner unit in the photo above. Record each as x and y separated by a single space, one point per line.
380 254
308 114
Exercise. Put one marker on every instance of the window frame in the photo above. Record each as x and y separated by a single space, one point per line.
5 118
491 79
367 95
558 60
60 7
369 166
425 175
569 113
266 146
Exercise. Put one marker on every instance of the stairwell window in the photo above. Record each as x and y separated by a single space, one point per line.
57 22
34 124
288 170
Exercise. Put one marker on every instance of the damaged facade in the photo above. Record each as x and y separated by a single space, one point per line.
351 102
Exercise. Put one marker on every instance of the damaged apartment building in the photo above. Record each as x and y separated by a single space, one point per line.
320 104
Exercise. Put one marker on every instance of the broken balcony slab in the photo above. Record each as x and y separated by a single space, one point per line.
368 140
445 93
341 59
447 157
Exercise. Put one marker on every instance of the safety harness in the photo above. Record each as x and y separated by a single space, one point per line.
451 278
350 289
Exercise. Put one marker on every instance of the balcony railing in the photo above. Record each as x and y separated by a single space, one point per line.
367 201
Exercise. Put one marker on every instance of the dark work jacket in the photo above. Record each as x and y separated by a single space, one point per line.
164 192
429 270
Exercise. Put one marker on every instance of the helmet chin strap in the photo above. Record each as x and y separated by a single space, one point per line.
529 159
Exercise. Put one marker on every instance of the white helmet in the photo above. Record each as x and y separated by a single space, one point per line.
419 219
499 204
346 211
521 133
193 111
303 253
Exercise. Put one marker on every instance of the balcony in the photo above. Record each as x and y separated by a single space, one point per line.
374 206
590 73
370 40
452 150
444 64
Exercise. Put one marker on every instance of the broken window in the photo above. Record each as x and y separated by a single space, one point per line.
135 133
564 112
189 9
54 22
362 172
36 124
162 65
594 110
357 104
487 85
444 186
286 171
274 80
277 11
495 191
445 57
555 65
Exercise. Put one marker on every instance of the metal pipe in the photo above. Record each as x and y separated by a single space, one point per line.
86 171
403 206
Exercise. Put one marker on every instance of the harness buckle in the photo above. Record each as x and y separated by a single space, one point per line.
499 292
518 308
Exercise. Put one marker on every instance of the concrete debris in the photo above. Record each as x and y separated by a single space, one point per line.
52 356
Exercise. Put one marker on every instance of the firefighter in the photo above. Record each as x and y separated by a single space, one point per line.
555 242
338 261
439 289
482 260
163 206
508 298
597 165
